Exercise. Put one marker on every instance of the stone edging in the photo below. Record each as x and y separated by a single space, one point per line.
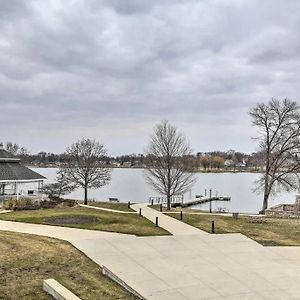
58 291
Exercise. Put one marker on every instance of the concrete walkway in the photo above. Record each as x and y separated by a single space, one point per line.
107 209
170 224
190 265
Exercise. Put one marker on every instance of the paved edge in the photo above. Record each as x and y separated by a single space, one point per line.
118 280
58 291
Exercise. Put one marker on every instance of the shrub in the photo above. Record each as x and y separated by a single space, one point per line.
21 204
32 204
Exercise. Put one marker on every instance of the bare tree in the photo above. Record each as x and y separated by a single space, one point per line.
167 162
62 186
84 167
279 140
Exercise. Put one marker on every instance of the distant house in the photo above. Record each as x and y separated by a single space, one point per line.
13 176
229 163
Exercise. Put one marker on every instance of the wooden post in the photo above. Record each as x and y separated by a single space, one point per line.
128 204
210 191
17 191
181 215
212 226
160 207
140 212
156 222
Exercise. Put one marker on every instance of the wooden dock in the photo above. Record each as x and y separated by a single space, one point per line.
200 200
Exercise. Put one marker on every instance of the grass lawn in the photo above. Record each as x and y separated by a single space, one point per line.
26 260
111 205
271 232
87 218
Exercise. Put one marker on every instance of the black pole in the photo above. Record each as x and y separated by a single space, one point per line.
210 191
160 207
140 212
212 226
128 204
181 216
152 202
156 222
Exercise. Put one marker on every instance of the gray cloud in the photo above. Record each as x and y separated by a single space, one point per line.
111 69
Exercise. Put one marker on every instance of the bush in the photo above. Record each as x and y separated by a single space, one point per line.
21 204
32 204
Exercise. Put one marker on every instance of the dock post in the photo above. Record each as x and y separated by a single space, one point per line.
140 212
156 222
181 216
128 204
210 191
160 207
212 226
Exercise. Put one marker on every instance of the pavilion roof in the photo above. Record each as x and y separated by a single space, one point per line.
12 170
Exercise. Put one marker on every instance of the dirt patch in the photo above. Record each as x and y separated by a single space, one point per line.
70 219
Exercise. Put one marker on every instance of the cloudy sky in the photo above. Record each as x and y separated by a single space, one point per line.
111 69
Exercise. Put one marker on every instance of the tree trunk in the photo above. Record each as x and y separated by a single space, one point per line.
85 196
266 195
265 202
168 202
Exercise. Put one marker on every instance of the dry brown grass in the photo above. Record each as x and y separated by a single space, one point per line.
269 232
26 260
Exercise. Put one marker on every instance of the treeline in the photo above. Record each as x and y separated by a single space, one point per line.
214 160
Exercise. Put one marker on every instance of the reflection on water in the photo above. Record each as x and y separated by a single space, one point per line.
130 185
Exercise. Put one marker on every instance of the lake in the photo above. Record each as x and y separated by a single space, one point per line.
130 185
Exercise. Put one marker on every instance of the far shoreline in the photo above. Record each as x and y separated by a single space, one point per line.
213 171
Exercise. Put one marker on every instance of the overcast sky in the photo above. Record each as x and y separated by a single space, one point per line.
111 69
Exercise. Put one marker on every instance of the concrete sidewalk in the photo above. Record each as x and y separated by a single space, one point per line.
170 224
107 209
186 266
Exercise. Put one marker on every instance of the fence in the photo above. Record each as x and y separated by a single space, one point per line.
163 199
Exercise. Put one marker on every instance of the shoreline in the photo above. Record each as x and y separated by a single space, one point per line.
213 171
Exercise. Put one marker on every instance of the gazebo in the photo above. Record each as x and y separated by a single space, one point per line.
13 174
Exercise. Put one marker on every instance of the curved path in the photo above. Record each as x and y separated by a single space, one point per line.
190 265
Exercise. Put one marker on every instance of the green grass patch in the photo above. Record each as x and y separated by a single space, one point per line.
268 232
26 260
111 205
88 218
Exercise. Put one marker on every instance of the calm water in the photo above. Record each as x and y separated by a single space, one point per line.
130 185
